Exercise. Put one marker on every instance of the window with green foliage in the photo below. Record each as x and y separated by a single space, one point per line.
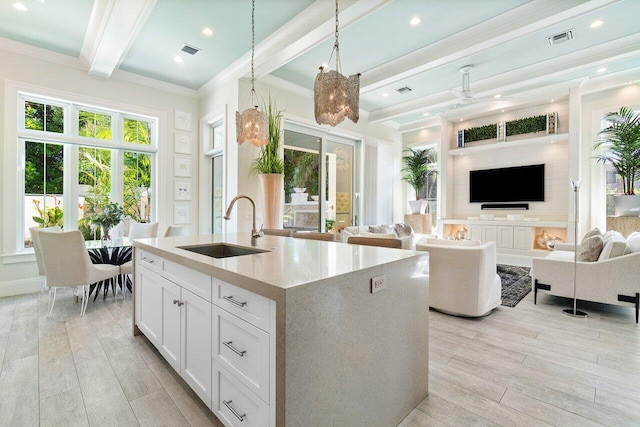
66 176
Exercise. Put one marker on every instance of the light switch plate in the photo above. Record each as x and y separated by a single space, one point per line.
378 283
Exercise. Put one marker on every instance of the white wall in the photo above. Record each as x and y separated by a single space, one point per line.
18 273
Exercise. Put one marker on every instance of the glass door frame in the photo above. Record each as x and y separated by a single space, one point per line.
325 136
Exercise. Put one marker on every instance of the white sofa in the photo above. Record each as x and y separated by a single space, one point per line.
462 277
380 231
610 279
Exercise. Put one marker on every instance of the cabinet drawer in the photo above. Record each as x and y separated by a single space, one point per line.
234 404
243 349
149 260
194 281
246 305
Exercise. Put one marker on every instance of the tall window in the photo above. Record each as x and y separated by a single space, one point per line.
78 158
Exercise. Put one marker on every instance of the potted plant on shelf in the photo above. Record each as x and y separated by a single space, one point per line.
270 168
621 139
418 168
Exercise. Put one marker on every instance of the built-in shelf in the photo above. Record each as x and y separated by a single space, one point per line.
547 139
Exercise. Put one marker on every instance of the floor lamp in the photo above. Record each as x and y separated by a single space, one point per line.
574 312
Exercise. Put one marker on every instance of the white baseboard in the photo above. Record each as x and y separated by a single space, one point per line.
18 287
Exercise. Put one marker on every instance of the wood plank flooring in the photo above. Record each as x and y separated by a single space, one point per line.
524 366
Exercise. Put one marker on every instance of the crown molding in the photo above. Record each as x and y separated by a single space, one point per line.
39 53
129 77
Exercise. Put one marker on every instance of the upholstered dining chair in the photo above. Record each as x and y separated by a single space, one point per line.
137 230
66 263
277 232
373 241
315 235
175 230
38 252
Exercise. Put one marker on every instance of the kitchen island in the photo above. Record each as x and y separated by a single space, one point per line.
293 334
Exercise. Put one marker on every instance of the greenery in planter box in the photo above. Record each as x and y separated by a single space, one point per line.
528 125
481 132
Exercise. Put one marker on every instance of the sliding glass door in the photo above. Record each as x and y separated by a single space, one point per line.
319 181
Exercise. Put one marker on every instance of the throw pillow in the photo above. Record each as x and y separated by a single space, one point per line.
595 232
590 249
403 230
634 242
613 249
377 229
378 235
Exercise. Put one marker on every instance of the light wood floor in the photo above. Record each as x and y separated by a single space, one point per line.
528 365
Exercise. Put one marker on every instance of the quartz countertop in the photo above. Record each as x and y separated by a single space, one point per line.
289 262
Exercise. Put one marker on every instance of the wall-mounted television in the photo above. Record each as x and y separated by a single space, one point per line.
514 184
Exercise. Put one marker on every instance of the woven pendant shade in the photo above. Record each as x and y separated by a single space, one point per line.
336 97
252 126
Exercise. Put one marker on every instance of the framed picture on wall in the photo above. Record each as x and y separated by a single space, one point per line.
181 214
182 167
181 144
182 190
182 120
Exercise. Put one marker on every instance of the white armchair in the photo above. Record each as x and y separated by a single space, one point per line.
462 277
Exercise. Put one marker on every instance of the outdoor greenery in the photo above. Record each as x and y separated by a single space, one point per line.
419 169
49 216
481 132
269 160
300 170
528 125
43 173
43 117
622 137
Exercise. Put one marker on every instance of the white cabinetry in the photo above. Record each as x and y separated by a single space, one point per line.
176 321
504 236
475 232
489 233
522 238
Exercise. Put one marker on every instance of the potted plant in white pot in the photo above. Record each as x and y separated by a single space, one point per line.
418 167
622 141
270 168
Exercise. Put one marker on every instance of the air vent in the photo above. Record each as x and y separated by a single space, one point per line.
561 37
403 90
191 50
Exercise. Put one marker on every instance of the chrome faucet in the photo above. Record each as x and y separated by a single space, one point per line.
254 232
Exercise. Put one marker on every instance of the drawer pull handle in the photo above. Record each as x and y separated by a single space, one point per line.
180 304
232 301
175 301
233 411
232 348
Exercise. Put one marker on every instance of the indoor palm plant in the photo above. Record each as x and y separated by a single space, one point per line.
418 168
270 168
622 142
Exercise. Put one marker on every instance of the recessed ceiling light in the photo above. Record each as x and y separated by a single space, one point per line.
553 100
207 31
19 6
597 23
601 70
324 66
384 95
502 111
425 114
497 96
415 21
461 120
178 59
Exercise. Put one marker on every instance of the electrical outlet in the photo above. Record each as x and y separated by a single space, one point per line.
378 283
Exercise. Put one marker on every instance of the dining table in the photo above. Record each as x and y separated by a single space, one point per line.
113 251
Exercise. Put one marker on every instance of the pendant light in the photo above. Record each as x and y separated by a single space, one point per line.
252 125
336 96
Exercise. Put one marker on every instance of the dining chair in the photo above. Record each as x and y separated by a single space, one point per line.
175 230
142 230
374 241
67 263
315 235
34 231
277 232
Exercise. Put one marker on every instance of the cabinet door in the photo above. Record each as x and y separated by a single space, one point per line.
170 338
505 236
475 232
148 289
489 233
195 366
522 238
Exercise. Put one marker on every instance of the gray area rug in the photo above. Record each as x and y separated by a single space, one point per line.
516 283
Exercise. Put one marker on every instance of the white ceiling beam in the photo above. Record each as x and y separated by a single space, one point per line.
305 31
113 27
522 78
519 22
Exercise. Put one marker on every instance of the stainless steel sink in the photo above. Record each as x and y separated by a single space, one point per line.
222 250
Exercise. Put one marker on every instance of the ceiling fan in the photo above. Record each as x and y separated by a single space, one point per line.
465 96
